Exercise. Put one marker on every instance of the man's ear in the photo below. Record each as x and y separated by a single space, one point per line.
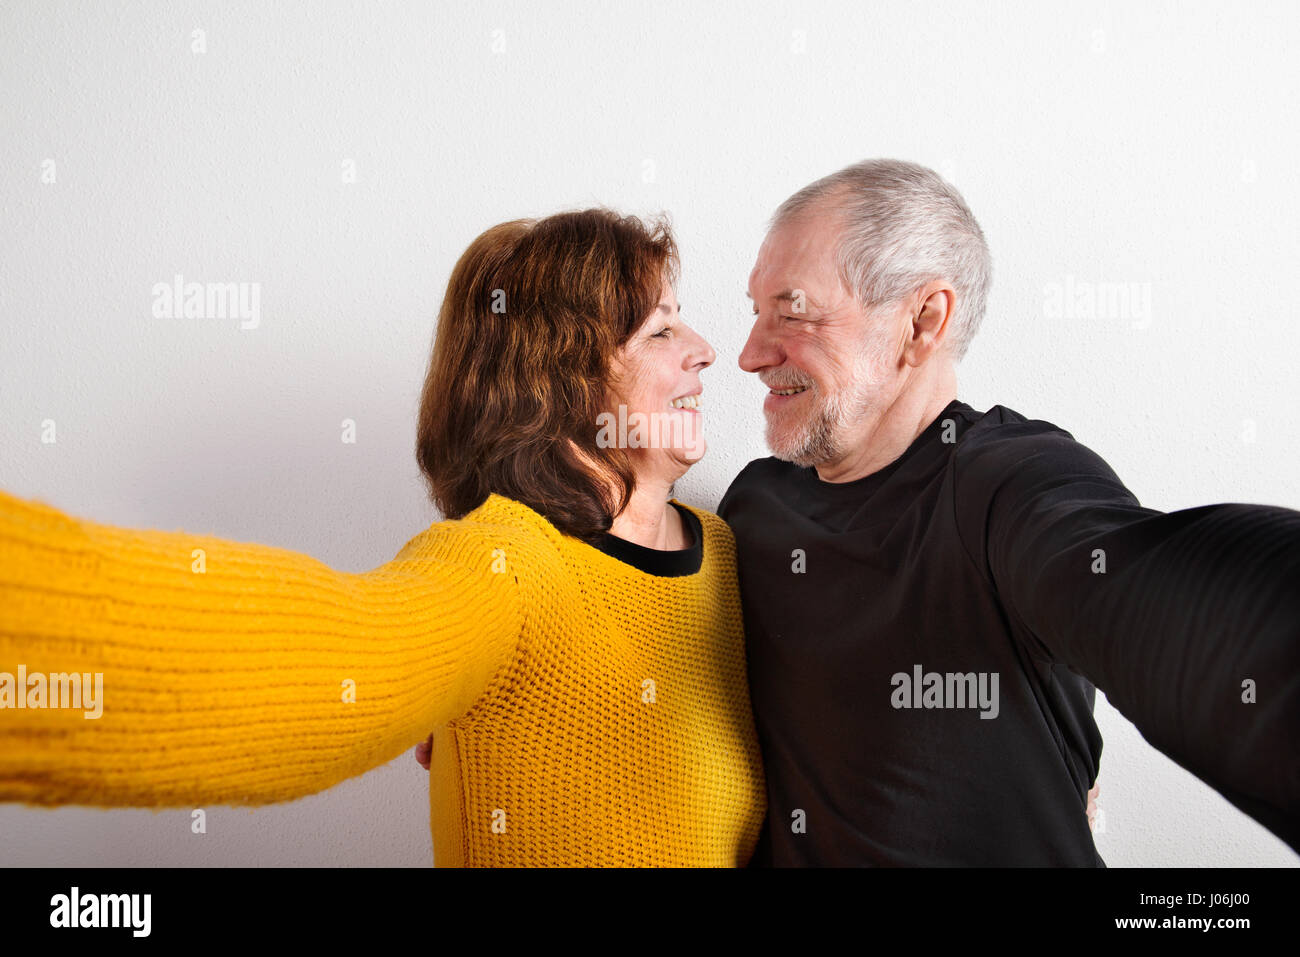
931 321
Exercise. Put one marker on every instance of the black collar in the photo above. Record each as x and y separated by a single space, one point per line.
652 561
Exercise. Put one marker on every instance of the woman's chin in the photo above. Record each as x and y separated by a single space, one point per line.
683 458
693 454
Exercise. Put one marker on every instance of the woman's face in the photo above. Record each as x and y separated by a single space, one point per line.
655 409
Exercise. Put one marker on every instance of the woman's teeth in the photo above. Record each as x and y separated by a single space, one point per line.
686 402
802 388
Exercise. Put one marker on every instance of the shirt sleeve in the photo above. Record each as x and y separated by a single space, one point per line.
1188 621
231 673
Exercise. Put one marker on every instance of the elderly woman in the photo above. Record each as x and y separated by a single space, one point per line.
570 634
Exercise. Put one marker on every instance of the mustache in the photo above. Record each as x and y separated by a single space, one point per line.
785 382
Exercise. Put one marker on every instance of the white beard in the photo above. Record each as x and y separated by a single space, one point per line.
821 437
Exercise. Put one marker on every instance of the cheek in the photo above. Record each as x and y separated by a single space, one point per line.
813 358
636 386
654 380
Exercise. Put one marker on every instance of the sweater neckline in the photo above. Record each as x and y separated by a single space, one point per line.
680 563
654 561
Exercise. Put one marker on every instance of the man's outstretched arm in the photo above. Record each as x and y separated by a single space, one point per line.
1188 621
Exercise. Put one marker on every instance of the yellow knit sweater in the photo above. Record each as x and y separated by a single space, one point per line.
584 712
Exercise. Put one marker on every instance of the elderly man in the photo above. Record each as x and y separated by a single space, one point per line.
931 592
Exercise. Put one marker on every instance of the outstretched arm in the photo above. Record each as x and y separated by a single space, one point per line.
1188 621
231 673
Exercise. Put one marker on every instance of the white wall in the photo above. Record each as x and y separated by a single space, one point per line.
1105 143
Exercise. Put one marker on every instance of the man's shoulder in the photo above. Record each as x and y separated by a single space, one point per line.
767 467
1001 422
1004 447
765 474
1002 438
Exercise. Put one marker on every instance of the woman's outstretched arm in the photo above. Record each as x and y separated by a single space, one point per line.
164 669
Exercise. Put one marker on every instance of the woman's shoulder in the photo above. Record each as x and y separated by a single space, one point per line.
716 529
499 532
708 518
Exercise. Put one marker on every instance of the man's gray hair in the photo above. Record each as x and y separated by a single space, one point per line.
903 226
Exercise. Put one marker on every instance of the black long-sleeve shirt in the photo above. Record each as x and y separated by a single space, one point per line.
879 614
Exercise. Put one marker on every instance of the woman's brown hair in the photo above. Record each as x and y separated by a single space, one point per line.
534 313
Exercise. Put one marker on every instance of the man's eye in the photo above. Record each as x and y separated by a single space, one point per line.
662 333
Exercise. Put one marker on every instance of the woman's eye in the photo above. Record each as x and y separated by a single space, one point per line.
662 334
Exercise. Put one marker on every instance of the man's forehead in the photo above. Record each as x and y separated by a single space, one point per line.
784 278
805 248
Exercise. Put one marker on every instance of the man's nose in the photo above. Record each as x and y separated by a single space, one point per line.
760 351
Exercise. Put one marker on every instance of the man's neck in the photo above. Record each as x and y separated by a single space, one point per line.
909 415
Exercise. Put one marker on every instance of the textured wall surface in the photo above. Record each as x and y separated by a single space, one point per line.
342 155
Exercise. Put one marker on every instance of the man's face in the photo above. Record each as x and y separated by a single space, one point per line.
841 363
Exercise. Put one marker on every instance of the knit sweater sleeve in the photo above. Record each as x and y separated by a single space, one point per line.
231 673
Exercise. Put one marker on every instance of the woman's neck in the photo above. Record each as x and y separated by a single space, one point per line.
650 521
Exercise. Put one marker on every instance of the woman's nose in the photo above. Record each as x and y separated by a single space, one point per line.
703 353
709 354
